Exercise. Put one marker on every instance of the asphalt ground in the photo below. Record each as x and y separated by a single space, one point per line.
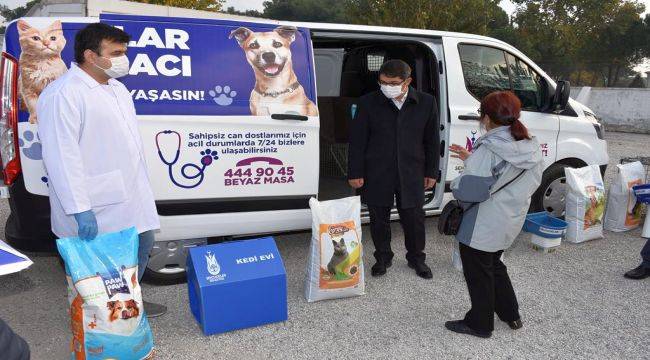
575 304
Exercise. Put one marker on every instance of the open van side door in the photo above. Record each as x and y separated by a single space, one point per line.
227 113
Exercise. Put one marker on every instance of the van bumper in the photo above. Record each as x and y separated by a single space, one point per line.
28 226
232 224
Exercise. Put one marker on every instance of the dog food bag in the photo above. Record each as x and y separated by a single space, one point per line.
585 204
106 314
623 211
335 268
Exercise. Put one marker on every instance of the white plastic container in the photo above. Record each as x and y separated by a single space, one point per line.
543 244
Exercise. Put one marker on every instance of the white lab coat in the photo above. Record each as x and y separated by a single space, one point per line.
93 155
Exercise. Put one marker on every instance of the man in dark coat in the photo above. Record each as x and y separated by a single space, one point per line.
393 154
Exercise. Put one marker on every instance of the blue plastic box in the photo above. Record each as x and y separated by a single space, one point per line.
544 225
236 285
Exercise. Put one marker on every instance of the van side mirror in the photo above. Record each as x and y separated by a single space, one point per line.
561 97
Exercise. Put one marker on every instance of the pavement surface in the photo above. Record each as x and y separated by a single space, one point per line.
575 304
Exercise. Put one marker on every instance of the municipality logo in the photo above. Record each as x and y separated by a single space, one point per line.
213 267
212 264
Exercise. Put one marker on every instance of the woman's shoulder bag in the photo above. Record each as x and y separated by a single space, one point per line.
452 214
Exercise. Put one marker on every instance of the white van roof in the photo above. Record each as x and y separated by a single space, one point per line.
391 30
320 26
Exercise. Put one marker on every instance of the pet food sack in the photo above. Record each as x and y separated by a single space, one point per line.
585 204
335 268
623 211
106 313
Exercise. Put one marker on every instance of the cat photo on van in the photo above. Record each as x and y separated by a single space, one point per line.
40 61
276 84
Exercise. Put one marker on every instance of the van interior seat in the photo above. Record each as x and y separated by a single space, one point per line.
352 84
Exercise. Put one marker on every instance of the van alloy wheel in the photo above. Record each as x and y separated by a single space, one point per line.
168 259
551 194
554 200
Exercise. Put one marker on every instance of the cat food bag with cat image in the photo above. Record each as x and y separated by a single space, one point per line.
585 204
335 268
106 314
623 211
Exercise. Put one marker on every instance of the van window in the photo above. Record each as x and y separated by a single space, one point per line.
485 69
375 61
526 84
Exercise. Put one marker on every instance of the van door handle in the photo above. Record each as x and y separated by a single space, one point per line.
289 117
469 117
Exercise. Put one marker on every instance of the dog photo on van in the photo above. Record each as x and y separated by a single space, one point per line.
277 89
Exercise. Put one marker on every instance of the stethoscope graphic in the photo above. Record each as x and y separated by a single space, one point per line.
473 136
208 157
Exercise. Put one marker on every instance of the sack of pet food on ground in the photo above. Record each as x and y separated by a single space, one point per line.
335 268
585 204
106 313
623 211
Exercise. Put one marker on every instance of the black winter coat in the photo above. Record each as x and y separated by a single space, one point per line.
394 150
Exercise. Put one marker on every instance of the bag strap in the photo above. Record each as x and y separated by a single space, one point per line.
499 189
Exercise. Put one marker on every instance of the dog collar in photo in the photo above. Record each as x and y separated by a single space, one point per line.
275 94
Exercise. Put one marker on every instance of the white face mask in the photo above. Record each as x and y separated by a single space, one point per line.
119 67
391 91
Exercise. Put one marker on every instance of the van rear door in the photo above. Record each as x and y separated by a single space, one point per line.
227 113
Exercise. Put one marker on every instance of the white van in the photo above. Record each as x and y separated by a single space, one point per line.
243 122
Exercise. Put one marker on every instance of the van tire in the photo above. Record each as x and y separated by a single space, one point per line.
155 278
550 192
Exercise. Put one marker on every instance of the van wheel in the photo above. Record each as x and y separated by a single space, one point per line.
167 261
162 278
551 194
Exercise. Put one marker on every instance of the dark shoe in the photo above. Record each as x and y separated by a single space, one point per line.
421 269
514 325
459 326
154 310
638 273
380 267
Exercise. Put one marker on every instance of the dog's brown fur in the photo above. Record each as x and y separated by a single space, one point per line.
131 309
258 47
115 309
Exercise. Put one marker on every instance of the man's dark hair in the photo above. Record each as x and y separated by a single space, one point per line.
91 38
395 68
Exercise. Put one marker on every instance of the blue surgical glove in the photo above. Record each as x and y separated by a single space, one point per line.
87 225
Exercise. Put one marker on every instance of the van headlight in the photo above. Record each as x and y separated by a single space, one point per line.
598 125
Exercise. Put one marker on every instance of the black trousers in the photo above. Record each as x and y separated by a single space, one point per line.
490 289
645 254
412 221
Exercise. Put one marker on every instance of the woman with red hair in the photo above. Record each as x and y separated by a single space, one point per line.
501 174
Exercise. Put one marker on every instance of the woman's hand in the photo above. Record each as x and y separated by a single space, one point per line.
459 152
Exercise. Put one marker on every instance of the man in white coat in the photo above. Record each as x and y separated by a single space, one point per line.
92 149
